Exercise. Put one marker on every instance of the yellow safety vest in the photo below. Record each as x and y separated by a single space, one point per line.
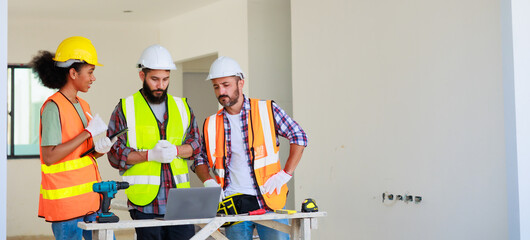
261 138
143 135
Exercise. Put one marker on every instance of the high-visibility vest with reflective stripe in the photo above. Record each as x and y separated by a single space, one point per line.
143 134
261 138
66 186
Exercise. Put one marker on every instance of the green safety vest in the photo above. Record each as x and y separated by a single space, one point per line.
143 134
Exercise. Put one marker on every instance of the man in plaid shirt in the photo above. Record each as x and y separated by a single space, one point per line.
160 146
238 171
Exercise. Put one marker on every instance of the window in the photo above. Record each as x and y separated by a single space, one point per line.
25 97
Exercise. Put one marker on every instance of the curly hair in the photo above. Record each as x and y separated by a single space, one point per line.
50 75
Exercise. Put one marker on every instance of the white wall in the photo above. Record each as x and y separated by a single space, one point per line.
521 75
403 97
119 46
269 49
3 118
220 28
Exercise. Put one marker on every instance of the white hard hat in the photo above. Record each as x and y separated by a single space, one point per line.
156 57
224 67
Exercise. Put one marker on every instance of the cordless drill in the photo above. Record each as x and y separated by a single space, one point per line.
108 189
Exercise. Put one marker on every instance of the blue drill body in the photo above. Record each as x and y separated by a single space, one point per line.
107 190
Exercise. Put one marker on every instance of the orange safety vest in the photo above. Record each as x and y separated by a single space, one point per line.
261 140
66 186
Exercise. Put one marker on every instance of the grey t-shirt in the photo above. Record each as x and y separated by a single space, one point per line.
159 110
51 124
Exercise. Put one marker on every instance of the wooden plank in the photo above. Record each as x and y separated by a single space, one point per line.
103 234
157 223
307 229
295 229
274 225
314 223
216 234
109 235
208 229
212 224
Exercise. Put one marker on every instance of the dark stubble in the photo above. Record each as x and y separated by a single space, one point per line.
232 101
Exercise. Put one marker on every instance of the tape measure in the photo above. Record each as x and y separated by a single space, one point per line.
284 211
309 205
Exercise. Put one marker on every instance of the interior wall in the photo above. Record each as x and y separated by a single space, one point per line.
195 85
118 51
220 27
411 102
3 120
269 42
521 74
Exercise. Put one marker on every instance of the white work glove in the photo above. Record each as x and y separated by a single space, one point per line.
104 144
276 182
96 126
212 183
163 152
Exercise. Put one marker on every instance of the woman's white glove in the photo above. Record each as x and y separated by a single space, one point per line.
104 144
276 182
163 152
212 183
96 126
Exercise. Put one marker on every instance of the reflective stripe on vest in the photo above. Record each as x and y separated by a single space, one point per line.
266 151
217 157
67 166
143 134
67 192
154 180
273 156
66 186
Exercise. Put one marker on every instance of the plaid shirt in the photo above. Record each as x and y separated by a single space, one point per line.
285 127
119 152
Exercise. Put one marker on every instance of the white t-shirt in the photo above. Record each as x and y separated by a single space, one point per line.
240 179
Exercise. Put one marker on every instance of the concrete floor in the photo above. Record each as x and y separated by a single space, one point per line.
120 235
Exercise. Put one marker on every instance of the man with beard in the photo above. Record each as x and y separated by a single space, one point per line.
162 134
240 145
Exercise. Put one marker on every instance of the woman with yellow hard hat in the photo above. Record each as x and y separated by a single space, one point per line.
67 129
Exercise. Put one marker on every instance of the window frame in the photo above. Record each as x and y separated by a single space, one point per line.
11 115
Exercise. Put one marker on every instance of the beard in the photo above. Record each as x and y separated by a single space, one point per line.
150 94
231 100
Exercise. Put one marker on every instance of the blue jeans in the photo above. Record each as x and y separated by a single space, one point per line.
68 229
244 230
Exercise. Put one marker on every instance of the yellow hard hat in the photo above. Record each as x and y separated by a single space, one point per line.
77 48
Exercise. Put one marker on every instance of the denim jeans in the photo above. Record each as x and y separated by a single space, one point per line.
244 230
68 230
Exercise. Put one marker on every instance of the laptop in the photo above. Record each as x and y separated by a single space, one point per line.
192 203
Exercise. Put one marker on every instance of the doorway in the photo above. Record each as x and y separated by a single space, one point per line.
199 93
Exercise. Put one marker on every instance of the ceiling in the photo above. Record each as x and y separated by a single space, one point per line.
105 10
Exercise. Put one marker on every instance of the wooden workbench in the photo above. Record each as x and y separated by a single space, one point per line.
301 225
